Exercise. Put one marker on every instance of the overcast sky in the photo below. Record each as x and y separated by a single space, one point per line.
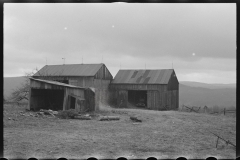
198 39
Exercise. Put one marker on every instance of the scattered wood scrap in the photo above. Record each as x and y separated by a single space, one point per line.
48 112
109 118
192 109
227 141
135 119
83 117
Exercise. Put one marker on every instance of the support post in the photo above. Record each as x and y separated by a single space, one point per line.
29 98
65 100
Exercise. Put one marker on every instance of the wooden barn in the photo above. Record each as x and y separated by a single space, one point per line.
151 89
45 94
96 76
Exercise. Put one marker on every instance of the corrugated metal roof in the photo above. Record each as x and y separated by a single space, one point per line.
69 70
143 76
56 83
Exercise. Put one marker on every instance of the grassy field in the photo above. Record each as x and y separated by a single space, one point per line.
162 134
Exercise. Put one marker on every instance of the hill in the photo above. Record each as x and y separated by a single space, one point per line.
191 93
206 85
163 135
10 83
200 96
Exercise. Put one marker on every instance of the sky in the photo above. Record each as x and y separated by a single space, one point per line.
197 40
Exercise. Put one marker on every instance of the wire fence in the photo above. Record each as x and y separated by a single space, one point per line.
215 110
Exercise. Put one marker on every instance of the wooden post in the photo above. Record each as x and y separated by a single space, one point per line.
65 100
29 98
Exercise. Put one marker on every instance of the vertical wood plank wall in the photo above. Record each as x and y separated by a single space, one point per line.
158 96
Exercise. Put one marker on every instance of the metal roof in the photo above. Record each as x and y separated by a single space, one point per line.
69 70
56 83
143 76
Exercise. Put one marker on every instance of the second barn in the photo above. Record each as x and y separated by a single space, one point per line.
150 89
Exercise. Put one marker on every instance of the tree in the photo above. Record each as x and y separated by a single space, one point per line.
21 93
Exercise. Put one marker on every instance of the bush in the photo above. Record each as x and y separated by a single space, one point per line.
67 114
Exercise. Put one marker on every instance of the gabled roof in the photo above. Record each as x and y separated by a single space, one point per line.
143 76
69 70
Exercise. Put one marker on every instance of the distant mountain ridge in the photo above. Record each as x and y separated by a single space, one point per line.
199 96
10 83
206 85
190 93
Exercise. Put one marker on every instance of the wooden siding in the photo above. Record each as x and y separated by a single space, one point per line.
101 84
173 83
122 99
153 100
84 98
42 85
138 87
158 96
103 73
90 104
82 81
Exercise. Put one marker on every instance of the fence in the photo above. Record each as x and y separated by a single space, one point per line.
206 109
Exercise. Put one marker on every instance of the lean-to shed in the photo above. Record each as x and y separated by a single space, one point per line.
96 76
45 94
156 89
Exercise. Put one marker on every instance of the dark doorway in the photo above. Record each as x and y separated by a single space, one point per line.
47 99
72 102
137 98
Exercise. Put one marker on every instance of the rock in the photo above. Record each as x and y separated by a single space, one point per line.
9 118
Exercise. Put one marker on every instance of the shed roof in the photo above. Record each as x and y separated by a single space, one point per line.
56 83
143 76
69 70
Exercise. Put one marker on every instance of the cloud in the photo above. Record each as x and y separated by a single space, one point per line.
143 33
209 77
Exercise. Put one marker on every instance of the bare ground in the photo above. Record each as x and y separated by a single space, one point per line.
162 134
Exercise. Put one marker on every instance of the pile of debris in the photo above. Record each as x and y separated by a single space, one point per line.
27 114
40 113
83 117
44 112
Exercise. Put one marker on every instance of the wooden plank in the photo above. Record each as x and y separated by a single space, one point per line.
65 100
157 99
29 98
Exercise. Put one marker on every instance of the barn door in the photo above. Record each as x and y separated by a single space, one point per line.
122 99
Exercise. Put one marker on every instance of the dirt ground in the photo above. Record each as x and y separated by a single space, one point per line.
162 134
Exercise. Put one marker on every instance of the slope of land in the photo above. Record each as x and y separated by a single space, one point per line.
10 83
202 96
209 86
162 134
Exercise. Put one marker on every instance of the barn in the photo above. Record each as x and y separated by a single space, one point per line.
45 94
95 76
150 89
